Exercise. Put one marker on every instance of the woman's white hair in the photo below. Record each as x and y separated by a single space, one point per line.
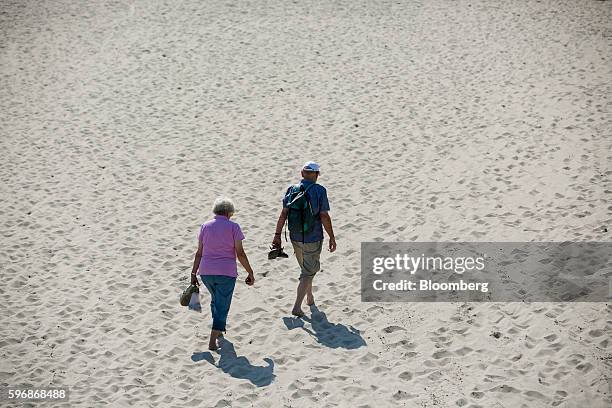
223 206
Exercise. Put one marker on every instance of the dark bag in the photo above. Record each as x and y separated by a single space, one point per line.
300 219
186 295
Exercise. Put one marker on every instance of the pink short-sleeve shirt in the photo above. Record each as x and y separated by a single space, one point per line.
219 253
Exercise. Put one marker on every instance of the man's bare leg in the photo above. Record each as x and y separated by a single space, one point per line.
309 295
301 292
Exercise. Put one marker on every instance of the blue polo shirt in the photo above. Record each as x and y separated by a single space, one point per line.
317 195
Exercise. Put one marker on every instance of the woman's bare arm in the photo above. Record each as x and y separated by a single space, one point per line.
196 264
244 261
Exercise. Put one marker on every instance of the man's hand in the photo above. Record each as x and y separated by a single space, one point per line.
194 280
276 242
250 280
327 224
332 244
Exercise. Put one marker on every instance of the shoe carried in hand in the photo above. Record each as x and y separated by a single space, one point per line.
277 253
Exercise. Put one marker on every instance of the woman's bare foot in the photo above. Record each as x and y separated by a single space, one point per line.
297 313
214 335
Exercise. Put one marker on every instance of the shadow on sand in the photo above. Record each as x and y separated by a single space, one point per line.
238 366
333 335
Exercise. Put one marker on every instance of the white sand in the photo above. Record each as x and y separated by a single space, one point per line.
468 120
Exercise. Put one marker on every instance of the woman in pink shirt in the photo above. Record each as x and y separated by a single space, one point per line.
219 244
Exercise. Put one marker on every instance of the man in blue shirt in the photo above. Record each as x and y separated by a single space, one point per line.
307 247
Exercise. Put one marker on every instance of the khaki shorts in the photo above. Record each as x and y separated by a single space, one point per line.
308 255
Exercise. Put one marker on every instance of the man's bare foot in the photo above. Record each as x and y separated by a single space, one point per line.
310 300
297 313
213 348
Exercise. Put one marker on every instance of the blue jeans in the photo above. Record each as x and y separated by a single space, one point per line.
221 290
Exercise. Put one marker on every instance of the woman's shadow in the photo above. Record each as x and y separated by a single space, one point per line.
238 366
333 335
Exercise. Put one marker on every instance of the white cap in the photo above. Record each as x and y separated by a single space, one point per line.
311 166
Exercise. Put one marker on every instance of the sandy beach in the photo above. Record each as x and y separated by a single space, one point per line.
467 120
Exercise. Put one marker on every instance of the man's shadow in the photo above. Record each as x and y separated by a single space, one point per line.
333 335
238 366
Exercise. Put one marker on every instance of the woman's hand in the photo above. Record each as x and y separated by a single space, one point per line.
250 280
194 280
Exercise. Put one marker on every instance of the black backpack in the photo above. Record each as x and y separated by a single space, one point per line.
301 218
